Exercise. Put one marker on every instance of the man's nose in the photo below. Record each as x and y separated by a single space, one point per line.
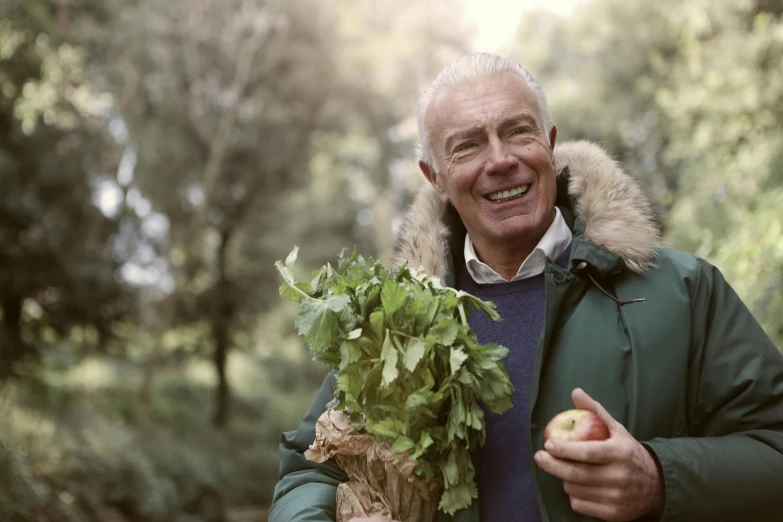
499 159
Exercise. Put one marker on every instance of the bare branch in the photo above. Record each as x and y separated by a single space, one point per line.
192 66
219 143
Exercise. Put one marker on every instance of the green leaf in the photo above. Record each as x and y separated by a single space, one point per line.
372 300
349 353
291 259
444 332
415 351
347 320
427 378
474 302
319 281
376 322
317 323
476 417
372 384
350 382
457 498
450 470
295 292
354 334
417 399
389 357
456 359
432 312
425 469
458 414
290 289
385 427
425 442
500 405
337 303
393 297
344 261
495 351
403 444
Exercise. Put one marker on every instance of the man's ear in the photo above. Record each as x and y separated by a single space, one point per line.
434 180
552 137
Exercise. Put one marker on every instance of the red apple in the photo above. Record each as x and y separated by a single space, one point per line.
576 425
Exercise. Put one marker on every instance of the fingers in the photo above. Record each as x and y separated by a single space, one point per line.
596 509
575 472
592 493
584 402
589 452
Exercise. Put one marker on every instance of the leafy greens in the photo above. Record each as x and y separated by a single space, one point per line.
409 368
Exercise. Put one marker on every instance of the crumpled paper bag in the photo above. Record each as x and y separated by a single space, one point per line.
381 482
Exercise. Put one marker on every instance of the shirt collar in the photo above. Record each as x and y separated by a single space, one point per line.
553 243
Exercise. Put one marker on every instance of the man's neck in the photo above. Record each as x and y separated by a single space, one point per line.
505 261
507 256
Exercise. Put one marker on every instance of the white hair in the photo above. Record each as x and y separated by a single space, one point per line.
471 68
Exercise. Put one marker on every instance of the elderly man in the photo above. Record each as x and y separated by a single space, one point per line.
596 315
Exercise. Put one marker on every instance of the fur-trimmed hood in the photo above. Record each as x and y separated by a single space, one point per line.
614 208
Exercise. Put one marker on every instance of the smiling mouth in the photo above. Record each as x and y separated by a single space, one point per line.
508 195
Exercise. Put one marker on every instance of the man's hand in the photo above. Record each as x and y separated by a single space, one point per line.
376 518
615 479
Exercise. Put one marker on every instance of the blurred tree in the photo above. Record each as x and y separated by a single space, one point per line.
724 103
57 270
220 100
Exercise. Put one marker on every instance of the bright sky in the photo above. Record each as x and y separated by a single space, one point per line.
496 20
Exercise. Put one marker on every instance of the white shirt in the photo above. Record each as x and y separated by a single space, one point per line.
552 245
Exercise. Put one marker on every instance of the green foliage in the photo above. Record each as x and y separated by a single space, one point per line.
725 109
72 454
410 370
21 496
222 135
54 148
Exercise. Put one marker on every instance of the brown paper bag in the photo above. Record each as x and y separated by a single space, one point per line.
381 482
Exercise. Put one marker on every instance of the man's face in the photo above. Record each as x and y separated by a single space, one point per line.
493 159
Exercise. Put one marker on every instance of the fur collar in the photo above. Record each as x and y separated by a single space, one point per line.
614 208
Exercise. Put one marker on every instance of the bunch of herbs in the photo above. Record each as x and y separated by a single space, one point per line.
409 369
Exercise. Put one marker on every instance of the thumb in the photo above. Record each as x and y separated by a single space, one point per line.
584 402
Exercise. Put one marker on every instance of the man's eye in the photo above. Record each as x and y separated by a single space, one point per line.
464 146
520 130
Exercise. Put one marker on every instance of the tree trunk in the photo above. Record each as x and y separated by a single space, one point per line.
223 397
154 318
222 316
141 404
12 347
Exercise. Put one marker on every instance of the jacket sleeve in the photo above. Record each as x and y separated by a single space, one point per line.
306 491
731 465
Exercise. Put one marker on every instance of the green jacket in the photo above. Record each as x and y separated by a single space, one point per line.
689 372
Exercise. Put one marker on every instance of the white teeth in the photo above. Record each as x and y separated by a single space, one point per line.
506 194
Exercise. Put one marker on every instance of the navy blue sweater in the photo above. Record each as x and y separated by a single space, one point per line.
505 480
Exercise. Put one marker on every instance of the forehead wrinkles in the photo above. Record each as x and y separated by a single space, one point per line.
487 107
